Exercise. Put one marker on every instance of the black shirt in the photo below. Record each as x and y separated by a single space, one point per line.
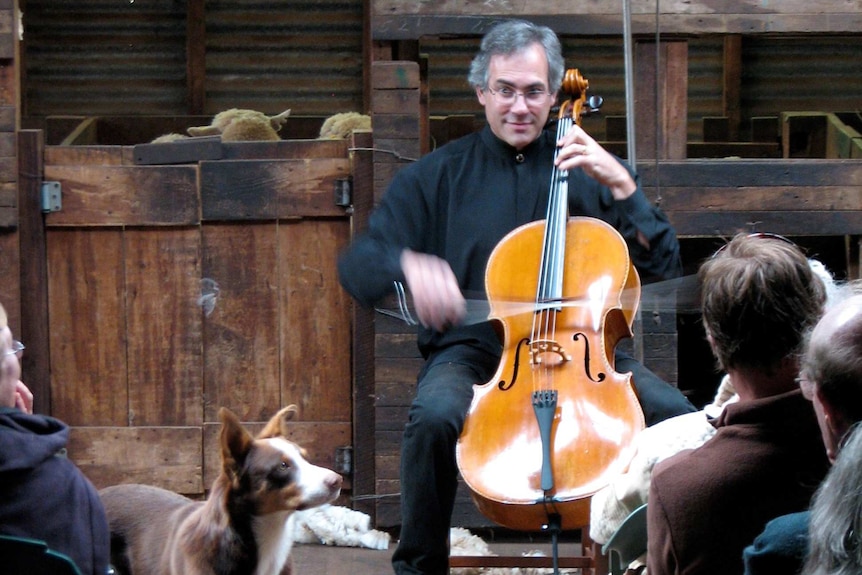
459 201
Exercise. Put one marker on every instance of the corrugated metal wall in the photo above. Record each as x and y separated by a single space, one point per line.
118 57
302 55
108 57
778 75
600 60
113 57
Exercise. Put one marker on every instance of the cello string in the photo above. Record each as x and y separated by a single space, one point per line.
552 265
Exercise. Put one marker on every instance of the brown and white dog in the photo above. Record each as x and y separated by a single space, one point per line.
245 527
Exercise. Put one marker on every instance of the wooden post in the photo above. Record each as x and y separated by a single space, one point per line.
661 123
34 274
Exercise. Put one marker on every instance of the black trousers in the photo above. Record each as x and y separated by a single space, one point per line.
429 471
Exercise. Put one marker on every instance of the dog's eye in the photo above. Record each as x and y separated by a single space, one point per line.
281 473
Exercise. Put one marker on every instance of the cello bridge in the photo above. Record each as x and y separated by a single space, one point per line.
548 352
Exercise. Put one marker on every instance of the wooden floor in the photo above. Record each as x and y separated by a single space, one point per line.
326 560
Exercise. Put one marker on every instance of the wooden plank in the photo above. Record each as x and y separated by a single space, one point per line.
163 326
389 101
397 370
84 134
271 189
84 155
286 149
803 134
751 173
395 75
7 118
841 139
696 150
787 223
396 20
8 206
731 80
716 129
8 169
394 394
127 195
8 40
179 152
166 457
396 345
661 123
315 320
34 276
196 43
320 440
240 326
764 129
756 198
86 304
645 7
396 126
10 287
7 149
362 344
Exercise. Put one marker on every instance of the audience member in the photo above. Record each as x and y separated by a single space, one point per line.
45 496
759 297
831 377
612 504
836 512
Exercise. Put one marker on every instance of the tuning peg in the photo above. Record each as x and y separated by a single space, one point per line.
594 103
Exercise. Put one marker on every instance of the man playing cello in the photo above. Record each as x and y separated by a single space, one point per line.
434 231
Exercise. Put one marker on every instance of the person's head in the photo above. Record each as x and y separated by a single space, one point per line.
835 527
831 370
759 296
10 368
516 74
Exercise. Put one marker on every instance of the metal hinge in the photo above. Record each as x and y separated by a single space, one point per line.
343 192
344 459
52 200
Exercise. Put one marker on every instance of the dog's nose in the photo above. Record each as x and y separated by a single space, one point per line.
334 481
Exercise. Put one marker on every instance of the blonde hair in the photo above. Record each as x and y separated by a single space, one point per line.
4 321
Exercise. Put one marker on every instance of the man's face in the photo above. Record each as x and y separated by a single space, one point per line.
10 369
518 122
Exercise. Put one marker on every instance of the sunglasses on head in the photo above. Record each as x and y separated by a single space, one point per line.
762 235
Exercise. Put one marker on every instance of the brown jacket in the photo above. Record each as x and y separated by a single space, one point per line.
706 504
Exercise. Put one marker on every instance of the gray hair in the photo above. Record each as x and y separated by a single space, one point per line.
835 530
834 363
511 37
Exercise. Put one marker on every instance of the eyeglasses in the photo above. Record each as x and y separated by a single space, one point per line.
807 387
17 347
762 235
510 96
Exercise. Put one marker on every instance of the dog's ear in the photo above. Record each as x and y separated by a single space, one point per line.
235 443
277 426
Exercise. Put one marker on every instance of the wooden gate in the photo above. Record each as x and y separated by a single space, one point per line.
174 290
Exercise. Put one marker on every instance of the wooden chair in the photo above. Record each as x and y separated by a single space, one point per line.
25 556
590 561
628 542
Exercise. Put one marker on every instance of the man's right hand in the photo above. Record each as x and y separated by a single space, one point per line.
436 296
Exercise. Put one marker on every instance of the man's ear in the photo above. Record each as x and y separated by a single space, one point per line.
836 424
480 94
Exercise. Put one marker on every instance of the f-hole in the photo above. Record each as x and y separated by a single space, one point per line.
600 376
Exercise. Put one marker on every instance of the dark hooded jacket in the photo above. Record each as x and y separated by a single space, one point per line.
43 495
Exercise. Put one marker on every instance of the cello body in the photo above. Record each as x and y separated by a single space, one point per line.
519 474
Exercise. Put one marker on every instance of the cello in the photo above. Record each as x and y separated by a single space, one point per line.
556 422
